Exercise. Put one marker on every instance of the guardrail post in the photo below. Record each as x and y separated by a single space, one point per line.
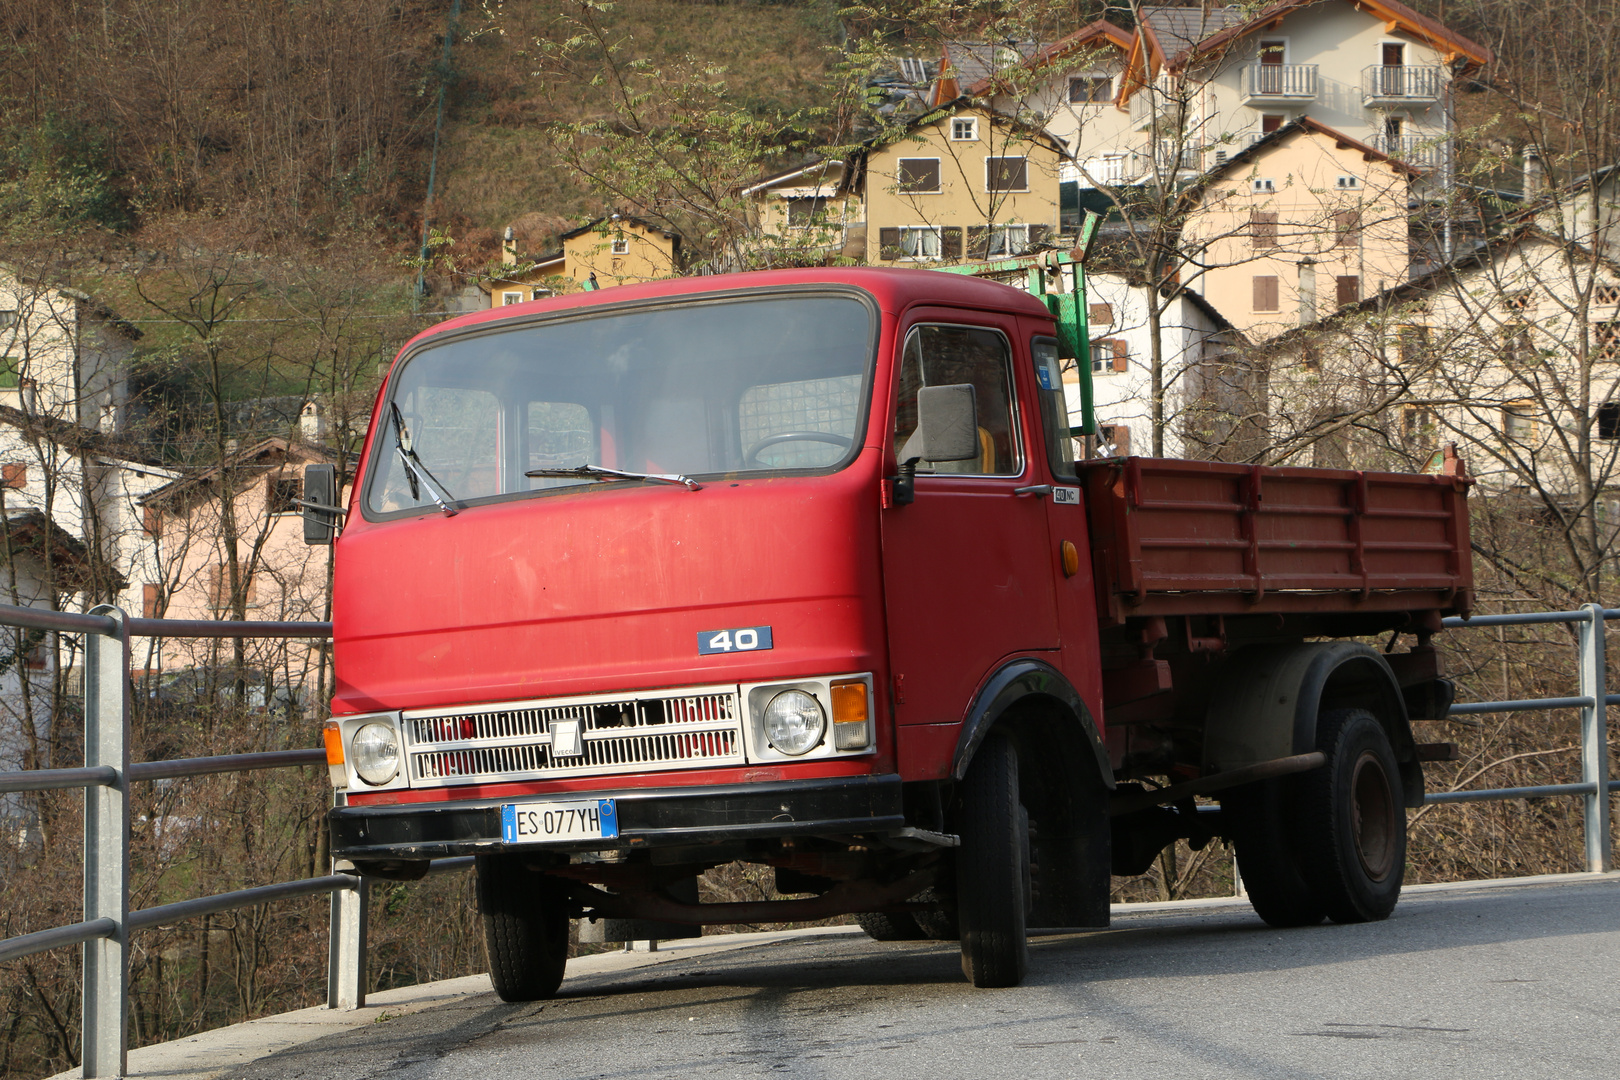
1595 738
346 953
106 850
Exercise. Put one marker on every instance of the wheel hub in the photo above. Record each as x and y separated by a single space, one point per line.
1372 817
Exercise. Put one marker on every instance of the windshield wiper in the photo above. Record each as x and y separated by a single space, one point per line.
416 472
601 475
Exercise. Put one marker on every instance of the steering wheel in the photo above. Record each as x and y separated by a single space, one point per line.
752 456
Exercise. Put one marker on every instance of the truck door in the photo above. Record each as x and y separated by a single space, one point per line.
967 570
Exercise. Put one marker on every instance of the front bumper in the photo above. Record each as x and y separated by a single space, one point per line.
659 817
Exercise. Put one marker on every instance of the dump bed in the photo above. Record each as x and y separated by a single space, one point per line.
1175 537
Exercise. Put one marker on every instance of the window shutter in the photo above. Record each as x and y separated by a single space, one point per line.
889 243
918 174
1121 355
1037 235
978 242
14 476
1006 174
1348 224
950 242
149 601
218 586
1265 293
1263 228
151 521
1100 315
1349 289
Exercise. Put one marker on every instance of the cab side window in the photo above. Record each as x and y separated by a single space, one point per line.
948 356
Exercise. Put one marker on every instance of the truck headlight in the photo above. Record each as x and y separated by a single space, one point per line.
794 722
374 751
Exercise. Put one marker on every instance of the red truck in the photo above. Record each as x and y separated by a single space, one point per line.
799 568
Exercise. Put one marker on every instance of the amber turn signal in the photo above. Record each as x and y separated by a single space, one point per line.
1071 559
333 739
852 729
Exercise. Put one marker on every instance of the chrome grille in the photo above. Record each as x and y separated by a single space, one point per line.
618 733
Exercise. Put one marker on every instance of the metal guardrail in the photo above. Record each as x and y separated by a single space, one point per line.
1592 701
105 778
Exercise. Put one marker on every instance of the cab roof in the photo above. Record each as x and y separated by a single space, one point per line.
894 289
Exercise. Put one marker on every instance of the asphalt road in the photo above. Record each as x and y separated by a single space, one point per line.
1521 982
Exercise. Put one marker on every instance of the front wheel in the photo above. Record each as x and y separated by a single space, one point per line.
1352 814
525 918
992 868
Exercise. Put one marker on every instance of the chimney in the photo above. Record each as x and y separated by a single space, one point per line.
312 422
509 248
1535 173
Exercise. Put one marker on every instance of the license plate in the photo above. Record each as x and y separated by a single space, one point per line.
549 822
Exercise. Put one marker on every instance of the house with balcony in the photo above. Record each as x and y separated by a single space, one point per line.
807 211
1298 224
1212 81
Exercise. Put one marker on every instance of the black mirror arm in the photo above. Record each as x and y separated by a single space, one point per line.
905 483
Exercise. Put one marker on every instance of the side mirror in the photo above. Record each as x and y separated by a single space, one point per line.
947 430
321 511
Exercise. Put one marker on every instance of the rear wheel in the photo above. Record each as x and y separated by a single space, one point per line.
992 868
1351 813
525 918
1266 856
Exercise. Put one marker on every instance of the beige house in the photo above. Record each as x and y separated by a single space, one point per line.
963 182
809 209
1298 225
63 354
616 250
278 577
1512 352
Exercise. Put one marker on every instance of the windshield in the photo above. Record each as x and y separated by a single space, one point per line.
774 383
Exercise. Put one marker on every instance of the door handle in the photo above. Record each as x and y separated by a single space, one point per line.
1040 491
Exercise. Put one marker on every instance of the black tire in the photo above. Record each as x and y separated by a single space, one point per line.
1352 820
992 868
1266 858
882 926
525 928
940 925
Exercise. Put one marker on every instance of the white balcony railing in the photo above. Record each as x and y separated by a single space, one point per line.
1419 151
1384 84
1277 82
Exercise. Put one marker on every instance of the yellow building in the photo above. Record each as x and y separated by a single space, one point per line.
1296 226
962 182
616 250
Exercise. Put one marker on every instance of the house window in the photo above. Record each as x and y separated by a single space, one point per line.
1520 301
1608 420
1347 289
621 246
10 373
1346 182
1516 349
805 212
965 129
918 175
1262 185
913 70
13 477
541 294
511 298
1115 439
280 494
1393 127
1417 423
1263 228
1606 339
919 242
1006 174
1347 227
1608 294
1110 356
1265 293
1091 90
8 318
1412 343
1100 315
1518 421
1007 239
